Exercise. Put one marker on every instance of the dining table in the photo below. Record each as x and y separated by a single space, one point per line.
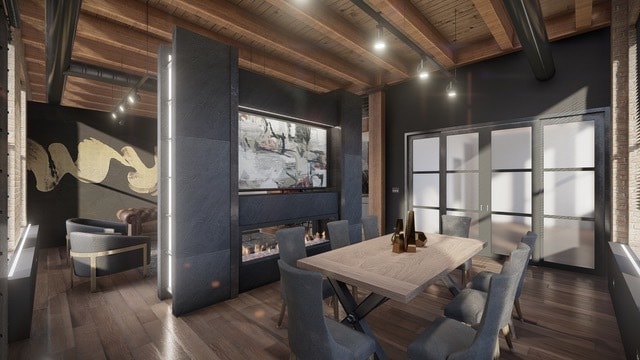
372 265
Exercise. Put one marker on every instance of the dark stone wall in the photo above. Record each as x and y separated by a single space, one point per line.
493 91
205 158
51 124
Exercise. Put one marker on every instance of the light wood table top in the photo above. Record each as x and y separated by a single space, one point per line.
373 266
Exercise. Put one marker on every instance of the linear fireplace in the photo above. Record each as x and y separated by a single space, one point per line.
263 214
261 243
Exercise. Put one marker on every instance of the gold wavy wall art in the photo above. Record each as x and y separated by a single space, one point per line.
92 165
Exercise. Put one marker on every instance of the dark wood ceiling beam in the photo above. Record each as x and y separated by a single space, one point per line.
109 33
496 17
132 14
335 27
254 28
564 26
584 11
107 56
557 28
404 15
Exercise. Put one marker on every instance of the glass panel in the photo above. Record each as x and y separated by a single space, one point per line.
569 193
462 191
511 148
569 145
511 192
462 152
569 242
426 190
426 154
507 231
474 229
426 220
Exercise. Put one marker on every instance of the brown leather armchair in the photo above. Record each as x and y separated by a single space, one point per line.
140 221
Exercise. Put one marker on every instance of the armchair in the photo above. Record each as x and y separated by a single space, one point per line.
100 254
93 226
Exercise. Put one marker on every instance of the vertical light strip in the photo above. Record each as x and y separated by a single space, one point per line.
18 252
631 259
170 173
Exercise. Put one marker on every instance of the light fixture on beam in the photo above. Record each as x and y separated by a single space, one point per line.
451 89
422 70
379 44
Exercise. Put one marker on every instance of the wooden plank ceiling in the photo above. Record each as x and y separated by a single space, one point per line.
321 45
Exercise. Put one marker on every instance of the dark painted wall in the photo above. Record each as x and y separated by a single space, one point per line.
49 124
498 90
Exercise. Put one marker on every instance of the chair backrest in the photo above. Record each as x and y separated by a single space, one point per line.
95 226
370 227
309 337
338 233
456 225
529 239
499 300
291 244
515 266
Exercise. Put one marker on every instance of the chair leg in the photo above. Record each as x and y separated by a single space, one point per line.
507 336
336 310
281 316
516 304
93 273
463 277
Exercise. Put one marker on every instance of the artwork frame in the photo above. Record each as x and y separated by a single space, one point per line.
276 152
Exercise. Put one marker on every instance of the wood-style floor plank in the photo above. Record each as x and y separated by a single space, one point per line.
568 315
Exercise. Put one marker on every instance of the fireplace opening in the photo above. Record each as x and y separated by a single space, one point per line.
261 243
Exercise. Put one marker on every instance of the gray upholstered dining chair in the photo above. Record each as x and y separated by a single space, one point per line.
450 339
311 334
370 227
339 237
291 246
458 226
468 305
338 233
481 280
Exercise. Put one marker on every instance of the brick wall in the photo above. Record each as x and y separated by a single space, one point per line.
16 144
625 152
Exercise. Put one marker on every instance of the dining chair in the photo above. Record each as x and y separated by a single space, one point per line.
450 339
370 227
339 237
311 334
338 233
291 246
458 226
468 305
481 280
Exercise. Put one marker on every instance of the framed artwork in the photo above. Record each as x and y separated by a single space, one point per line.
279 154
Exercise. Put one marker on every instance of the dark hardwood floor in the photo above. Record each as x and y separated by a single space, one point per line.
569 316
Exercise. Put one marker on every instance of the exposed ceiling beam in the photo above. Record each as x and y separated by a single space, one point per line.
244 23
584 11
495 16
131 14
317 15
404 15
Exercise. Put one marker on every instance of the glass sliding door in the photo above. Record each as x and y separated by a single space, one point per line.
425 183
569 193
548 175
462 182
510 187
